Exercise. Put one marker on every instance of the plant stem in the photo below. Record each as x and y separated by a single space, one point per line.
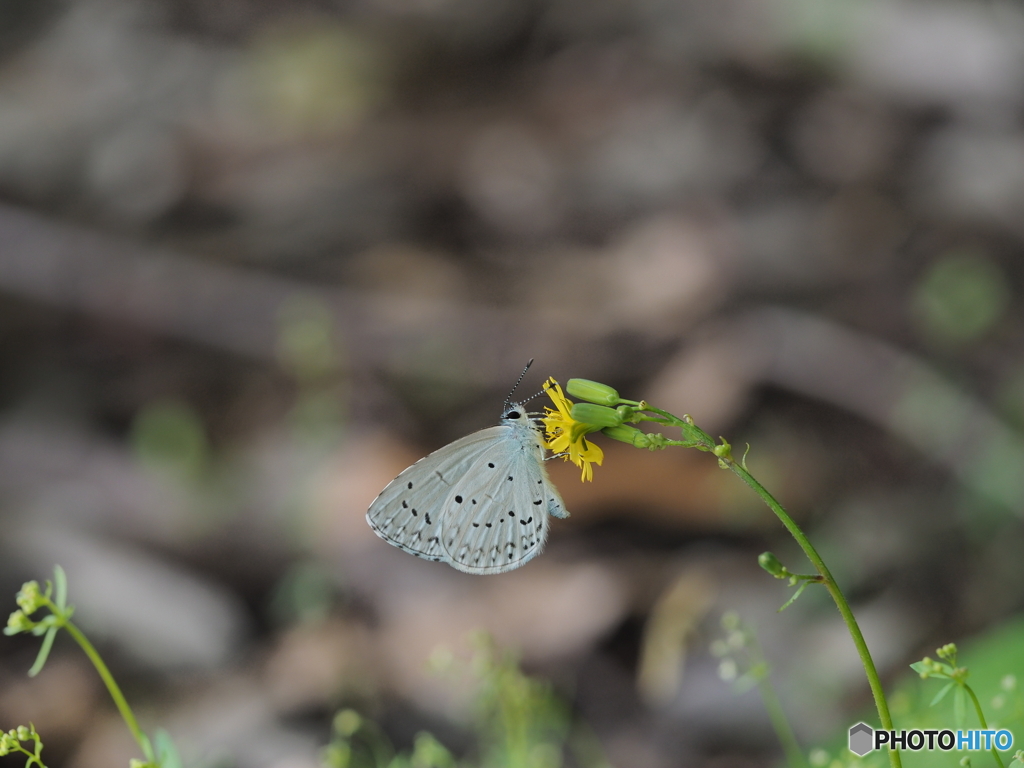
113 688
32 758
698 438
794 755
981 718
837 594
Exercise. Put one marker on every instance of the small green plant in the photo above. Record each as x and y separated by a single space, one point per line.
743 663
957 682
53 598
11 743
518 720
358 743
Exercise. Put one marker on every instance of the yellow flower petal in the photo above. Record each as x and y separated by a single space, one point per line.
565 435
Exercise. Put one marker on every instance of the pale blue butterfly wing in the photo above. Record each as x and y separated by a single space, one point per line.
481 503
497 518
407 513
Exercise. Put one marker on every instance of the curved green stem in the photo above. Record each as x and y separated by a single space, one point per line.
698 438
837 594
113 688
981 718
32 757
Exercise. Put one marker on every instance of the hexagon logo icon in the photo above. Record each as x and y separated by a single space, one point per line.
862 737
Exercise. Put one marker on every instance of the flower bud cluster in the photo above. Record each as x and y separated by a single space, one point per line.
929 667
604 410
18 622
740 659
947 652
11 740
30 598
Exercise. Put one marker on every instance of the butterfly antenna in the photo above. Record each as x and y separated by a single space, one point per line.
533 396
508 400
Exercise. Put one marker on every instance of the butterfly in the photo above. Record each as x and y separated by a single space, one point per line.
480 504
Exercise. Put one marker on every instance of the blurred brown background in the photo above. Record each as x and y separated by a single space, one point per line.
257 257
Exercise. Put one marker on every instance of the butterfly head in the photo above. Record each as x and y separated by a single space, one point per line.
513 412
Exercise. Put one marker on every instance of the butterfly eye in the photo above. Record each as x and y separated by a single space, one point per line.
513 415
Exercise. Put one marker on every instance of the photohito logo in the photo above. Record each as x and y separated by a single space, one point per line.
863 739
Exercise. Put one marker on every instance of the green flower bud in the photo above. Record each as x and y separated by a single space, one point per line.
627 412
771 563
347 722
5 748
18 622
719 648
596 415
948 651
23 733
925 667
592 391
630 435
727 670
29 598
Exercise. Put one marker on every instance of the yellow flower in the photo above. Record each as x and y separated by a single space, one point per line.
565 435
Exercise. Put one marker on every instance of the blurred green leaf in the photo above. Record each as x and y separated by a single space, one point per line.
166 753
941 694
170 436
960 298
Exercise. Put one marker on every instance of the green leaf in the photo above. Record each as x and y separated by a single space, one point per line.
920 667
941 694
166 753
60 581
794 597
44 652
